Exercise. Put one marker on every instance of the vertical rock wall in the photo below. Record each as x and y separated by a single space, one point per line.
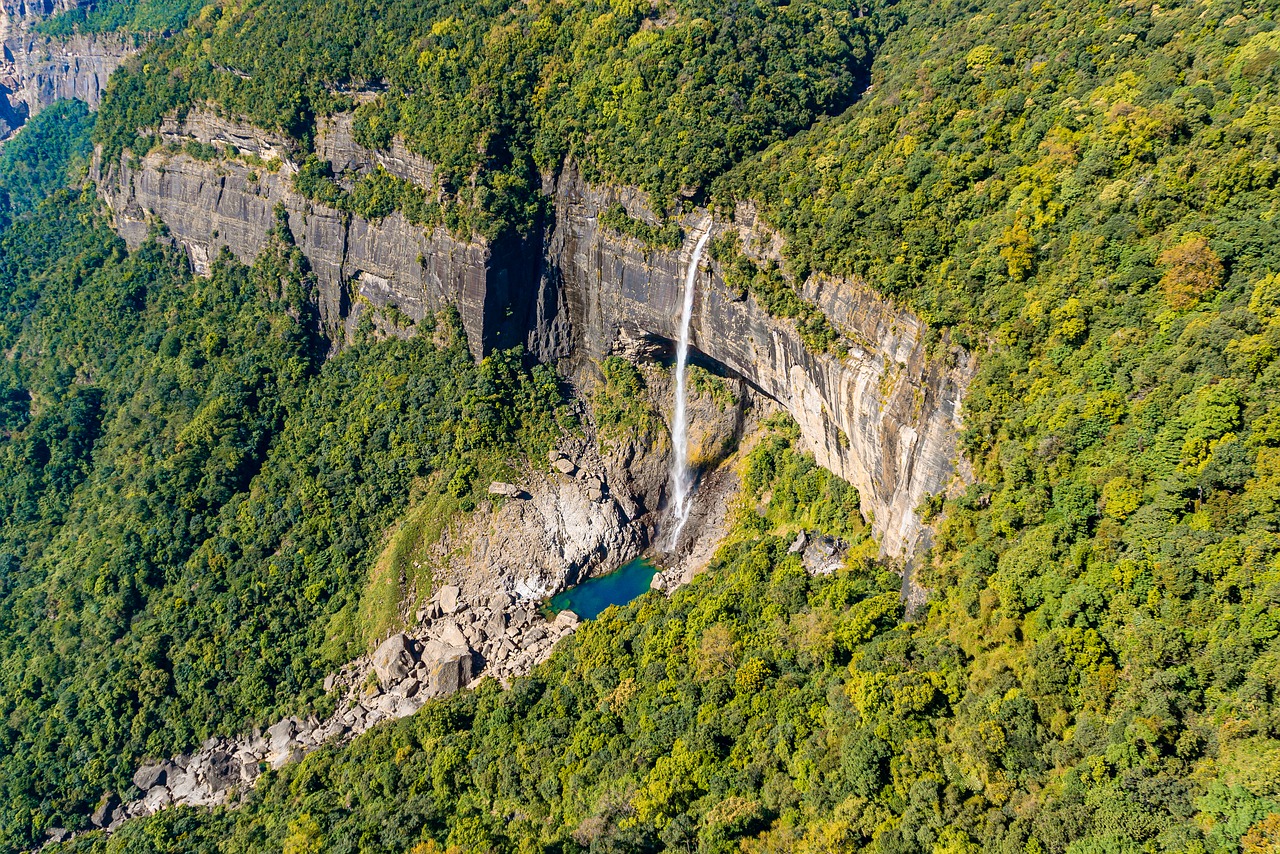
36 70
884 416
208 205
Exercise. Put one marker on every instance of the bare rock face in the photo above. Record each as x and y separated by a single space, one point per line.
230 203
393 659
884 417
36 70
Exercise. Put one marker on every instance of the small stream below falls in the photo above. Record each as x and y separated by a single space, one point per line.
590 598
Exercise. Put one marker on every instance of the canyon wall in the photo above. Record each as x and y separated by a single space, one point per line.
209 205
884 415
36 70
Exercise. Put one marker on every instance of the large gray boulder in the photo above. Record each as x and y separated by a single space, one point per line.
449 666
447 598
508 490
102 815
393 660
150 776
280 734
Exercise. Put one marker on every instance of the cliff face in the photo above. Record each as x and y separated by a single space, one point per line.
884 416
36 70
358 264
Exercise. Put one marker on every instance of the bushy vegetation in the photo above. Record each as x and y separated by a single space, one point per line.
690 722
123 17
37 161
1084 193
775 292
621 404
193 499
667 235
665 96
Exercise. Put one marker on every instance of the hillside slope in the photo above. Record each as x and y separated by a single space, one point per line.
1084 194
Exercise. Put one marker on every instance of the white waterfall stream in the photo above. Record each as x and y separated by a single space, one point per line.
681 475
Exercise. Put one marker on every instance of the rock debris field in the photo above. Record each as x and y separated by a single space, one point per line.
455 644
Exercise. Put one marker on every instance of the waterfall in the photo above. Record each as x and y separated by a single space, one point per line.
681 476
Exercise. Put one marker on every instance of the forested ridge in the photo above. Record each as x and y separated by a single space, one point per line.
192 495
1083 193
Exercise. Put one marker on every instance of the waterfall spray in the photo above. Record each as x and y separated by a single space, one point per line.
681 476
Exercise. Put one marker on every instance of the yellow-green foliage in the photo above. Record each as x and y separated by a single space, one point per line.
621 405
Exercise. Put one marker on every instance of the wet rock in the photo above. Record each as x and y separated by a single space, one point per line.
393 659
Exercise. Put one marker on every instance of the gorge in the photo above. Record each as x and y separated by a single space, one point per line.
884 417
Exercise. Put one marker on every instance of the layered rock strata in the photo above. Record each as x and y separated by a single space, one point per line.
884 416
36 70
360 265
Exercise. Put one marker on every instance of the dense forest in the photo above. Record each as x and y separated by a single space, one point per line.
1085 194
164 438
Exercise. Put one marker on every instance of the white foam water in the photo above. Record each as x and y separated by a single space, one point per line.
681 475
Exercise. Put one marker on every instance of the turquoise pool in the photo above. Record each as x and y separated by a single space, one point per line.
589 599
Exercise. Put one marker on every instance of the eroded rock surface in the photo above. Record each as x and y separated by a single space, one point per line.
36 70
209 205
884 417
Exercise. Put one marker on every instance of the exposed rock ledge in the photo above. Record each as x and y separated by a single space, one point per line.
885 417
36 70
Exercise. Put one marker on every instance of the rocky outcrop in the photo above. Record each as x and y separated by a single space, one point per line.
229 203
884 417
454 643
36 70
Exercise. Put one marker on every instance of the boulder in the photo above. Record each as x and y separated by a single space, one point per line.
393 659
507 490
449 666
447 598
500 601
451 635
106 808
798 544
221 770
497 625
595 489
182 785
564 466
280 734
554 455
566 619
157 798
150 776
